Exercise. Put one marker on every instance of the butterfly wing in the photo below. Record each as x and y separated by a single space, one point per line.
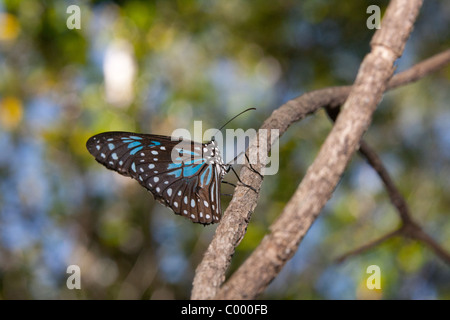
181 174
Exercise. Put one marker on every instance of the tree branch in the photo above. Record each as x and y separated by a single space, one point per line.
211 272
324 174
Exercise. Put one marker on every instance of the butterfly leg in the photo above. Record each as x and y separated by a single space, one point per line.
231 184
251 167
239 179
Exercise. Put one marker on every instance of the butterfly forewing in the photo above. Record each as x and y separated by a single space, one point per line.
181 174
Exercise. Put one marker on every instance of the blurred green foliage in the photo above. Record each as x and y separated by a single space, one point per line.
207 60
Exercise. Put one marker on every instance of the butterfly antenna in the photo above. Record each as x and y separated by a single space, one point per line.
234 118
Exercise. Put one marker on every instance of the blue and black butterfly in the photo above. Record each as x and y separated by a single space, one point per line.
184 175
181 174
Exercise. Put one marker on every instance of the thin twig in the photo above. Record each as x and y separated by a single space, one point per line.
414 231
368 246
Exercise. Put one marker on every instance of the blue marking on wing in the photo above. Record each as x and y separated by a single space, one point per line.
134 144
191 170
176 173
188 167
135 137
208 179
133 167
154 143
136 150
174 165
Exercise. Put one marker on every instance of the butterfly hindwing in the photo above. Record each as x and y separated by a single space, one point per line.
181 174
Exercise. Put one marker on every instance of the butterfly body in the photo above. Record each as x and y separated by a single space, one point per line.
181 174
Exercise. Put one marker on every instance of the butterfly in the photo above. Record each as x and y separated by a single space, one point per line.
181 174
